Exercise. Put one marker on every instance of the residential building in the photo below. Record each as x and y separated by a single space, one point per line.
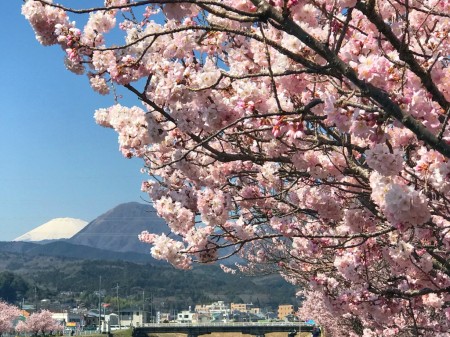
187 316
285 310
134 317
245 308
163 317
69 319
202 308
255 311
216 311
219 311
242 307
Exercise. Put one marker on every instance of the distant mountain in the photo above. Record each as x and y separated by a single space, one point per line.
16 246
118 229
111 236
64 249
56 229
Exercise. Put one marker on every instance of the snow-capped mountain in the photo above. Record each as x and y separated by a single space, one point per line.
56 229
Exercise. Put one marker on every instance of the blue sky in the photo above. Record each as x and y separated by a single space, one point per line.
55 161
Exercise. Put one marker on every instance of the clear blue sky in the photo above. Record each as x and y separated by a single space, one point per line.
54 160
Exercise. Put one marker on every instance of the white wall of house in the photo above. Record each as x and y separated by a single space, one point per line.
133 318
186 316
65 317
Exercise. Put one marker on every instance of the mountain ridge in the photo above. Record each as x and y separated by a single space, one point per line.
65 249
111 236
118 229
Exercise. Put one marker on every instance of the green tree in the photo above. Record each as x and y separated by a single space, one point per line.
11 285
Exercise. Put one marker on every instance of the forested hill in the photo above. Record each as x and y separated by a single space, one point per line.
65 249
52 276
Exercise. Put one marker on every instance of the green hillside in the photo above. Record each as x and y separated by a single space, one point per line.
74 282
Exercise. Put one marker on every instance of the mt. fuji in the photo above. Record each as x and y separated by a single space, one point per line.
56 229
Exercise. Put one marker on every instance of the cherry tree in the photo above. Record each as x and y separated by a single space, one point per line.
21 327
8 314
39 322
308 137
314 305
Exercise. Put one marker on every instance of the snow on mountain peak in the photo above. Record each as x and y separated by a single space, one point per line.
59 228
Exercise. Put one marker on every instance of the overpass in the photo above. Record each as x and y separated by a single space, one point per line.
257 329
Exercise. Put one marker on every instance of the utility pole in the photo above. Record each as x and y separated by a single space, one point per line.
151 307
118 303
35 299
100 304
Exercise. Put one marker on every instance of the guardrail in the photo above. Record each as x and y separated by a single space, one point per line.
219 324
197 329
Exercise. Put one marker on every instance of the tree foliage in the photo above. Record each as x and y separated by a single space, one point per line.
311 136
11 286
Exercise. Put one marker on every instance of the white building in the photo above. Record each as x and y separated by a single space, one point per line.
69 319
134 317
187 316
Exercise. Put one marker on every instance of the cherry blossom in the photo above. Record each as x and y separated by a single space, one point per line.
39 322
309 138
8 314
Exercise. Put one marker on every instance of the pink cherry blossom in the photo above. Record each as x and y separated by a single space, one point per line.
380 159
40 322
99 84
307 137
8 314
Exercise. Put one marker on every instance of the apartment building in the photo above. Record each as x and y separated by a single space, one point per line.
285 310
242 307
